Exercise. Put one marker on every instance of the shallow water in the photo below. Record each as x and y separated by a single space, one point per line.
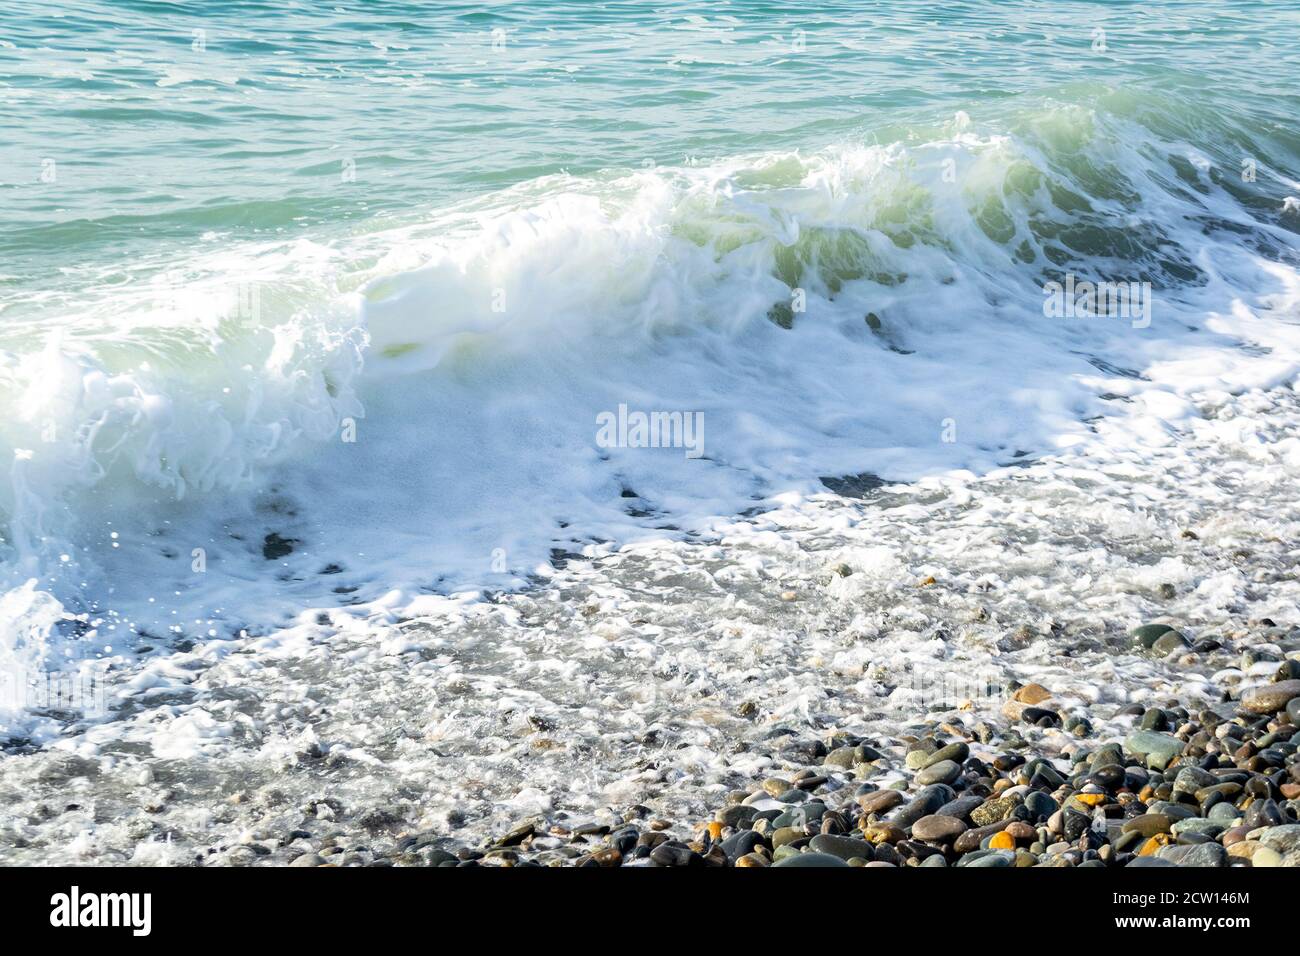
658 675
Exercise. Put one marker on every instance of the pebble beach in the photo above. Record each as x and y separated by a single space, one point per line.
1209 788
1085 660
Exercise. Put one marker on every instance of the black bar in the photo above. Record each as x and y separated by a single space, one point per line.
265 905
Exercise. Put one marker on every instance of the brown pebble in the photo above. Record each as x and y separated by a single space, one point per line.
971 839
1032 694
1235 835
1020 830
881 801
1244 849
883 833
938 829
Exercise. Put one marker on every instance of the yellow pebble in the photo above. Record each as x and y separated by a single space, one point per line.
715 830
1002 841
882 832
1031 694
1154 844
1245 849
1090 799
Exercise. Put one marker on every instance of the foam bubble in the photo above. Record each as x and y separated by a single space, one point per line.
856 309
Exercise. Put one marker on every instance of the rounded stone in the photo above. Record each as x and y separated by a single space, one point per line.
1019 830
1148 825
972 839
945 771
1158 749
938 828
1266 857
742 844
960 808
997 858
1271 697
1224 812
846 848
1148 634
1198 825
811 859
784 835
842 757
1284 839
1040 805
957 753
926 801
737 816
881 801
1200 854
1170 641
993 811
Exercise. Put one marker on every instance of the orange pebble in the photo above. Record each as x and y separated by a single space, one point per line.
1155 843
715 830
1002 841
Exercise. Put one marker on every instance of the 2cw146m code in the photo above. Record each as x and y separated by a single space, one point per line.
1213 899
1195 898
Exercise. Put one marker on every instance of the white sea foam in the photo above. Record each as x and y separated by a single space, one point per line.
175 426
660 673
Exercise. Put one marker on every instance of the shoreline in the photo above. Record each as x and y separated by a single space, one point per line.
679 676
1215 788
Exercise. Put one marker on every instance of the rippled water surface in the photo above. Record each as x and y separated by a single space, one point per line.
172 124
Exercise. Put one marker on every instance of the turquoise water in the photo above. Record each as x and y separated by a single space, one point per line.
363 277
164 139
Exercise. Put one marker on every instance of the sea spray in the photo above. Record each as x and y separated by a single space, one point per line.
467 359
